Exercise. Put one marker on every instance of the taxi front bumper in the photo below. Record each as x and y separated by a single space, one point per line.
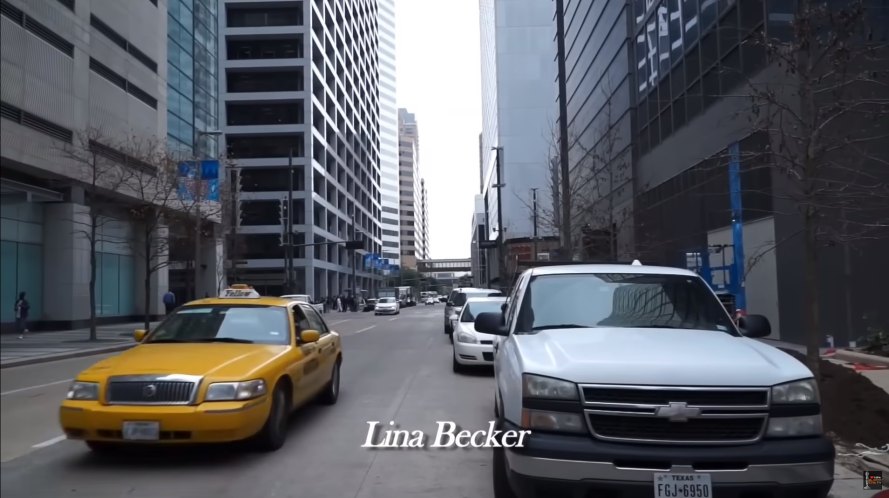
216 422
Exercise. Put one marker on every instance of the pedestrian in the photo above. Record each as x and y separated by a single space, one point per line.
169 301
339 304
21 315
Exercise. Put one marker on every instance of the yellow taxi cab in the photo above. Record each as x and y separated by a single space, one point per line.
216 370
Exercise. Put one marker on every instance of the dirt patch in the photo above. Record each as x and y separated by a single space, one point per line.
854 409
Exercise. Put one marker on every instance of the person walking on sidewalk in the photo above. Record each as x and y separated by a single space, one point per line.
21 315
169 301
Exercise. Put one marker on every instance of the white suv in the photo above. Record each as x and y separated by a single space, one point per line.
635 382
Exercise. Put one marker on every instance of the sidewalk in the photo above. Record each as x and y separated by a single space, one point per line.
41 347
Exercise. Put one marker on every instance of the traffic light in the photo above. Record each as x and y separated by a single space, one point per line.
282 214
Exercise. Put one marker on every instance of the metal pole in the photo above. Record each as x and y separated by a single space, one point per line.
534 201
567 244
352 237
288 249
198 174
501 254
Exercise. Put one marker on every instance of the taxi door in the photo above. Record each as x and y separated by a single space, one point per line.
327 346
307 369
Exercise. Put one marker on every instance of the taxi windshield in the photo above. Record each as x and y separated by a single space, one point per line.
473 308
622 300
225 323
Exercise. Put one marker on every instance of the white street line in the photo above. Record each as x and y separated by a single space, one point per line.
365 329
393 319
340 321
50 442
23 389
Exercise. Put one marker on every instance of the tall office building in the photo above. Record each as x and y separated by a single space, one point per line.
391 235
300 79
192 129
79 76
423 233
413 243
518 109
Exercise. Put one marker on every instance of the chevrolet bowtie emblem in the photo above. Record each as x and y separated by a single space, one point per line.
678 412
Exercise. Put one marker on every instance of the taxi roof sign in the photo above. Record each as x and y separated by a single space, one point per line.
240 291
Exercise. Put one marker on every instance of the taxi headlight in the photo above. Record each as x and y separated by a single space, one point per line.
235 391
83 391
467 338
535 386
801 391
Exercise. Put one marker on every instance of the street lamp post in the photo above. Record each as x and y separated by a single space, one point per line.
566 201
501 256
534 240
198 198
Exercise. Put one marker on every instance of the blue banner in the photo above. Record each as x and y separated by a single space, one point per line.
199 179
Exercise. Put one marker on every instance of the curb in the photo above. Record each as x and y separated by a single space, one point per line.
65 356
854 357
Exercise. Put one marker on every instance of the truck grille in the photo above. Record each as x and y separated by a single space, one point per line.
154 392
660 429
676 415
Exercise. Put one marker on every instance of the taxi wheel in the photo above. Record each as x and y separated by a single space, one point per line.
331 393
274 432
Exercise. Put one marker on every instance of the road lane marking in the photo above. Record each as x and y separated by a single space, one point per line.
393 319
365 329
340 321
23 389
50 442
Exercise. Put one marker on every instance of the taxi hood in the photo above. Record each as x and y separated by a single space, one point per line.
218 360
646 356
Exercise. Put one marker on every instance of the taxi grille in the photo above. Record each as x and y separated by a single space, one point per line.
159 392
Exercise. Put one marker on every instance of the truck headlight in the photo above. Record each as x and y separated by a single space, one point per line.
85 391
536 386
801 391
809 425
552 421
467 338
235 391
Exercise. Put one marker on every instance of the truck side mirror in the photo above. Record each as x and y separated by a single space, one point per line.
491 323
755 326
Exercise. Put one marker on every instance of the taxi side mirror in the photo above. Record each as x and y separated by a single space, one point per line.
309 336
139 334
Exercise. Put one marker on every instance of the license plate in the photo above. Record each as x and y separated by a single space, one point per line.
141 431
682 486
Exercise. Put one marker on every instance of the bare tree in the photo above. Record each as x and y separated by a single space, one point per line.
826 118
155 186
101 169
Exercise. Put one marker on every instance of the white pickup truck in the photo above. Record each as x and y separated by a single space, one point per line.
305 298
634 381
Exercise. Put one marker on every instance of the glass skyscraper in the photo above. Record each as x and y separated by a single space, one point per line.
192 82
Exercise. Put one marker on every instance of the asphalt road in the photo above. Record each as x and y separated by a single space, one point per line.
395 368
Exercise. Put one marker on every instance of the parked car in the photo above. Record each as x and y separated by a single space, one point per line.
305 298
215 370
635 380
472 347
369 305
387 306
457 298
430 301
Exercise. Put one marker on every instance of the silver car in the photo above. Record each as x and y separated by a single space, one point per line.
457 298
387 306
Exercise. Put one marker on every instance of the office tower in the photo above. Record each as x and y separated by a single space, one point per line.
411 190
80 77
300 107
391 235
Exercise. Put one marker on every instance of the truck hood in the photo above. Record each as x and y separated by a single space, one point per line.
218 360
656 356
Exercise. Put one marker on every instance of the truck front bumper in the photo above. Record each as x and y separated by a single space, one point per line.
582 467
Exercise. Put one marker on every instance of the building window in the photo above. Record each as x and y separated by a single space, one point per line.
275 48
239 114
266 146
240 17
265 81
270 179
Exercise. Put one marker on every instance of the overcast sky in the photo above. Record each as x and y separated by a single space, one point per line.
438 79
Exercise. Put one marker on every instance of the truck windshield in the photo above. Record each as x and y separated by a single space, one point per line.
624 300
